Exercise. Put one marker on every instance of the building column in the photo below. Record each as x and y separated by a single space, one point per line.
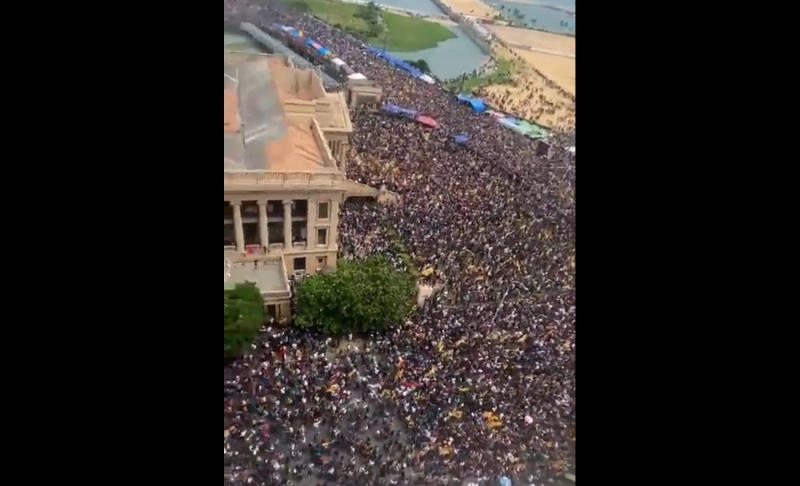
287 225
343 160
262 224
311 223
237 225
333 233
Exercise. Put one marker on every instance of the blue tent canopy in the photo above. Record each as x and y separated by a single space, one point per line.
461 139
323 52
399 111
477 104
308 42
397 62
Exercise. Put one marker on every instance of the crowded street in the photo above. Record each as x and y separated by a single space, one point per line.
479 384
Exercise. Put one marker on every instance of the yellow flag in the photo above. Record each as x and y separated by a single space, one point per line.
492 420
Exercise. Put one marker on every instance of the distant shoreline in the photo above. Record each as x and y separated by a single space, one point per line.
539 4
503 14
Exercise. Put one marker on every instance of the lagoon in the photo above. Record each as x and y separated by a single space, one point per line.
570 4
450 58
421 6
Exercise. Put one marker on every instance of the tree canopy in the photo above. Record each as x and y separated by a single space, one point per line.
420 64
244 315
360 296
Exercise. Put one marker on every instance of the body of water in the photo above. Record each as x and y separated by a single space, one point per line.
421 6
450 58
546 19
570 4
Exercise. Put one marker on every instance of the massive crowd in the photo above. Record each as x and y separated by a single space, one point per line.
478 386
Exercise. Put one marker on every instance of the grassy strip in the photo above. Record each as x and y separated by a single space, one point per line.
502 74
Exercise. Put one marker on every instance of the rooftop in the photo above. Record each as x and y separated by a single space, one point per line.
259 133
268 276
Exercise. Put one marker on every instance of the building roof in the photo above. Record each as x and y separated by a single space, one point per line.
258 134
268 276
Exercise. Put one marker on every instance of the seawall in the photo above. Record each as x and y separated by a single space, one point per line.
466 26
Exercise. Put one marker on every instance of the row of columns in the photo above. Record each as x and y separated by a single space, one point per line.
238 227
339 152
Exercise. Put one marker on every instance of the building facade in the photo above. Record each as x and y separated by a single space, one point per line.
286 143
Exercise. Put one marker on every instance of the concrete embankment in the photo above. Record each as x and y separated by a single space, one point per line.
467 26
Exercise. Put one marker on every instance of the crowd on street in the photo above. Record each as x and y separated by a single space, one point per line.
478 386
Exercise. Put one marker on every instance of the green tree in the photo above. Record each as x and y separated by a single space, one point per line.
244 315
359 296
421 64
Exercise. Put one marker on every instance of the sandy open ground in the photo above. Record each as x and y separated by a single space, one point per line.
533 97
560 69
534 38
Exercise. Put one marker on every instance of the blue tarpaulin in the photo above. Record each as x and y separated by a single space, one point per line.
397 62
309 42
399 111
477 104
323 52
461 139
